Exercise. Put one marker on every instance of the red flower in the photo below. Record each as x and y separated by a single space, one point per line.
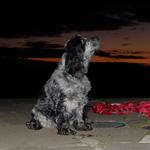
131 107
118 108
108 109
99 108
102 108
144 108
123 108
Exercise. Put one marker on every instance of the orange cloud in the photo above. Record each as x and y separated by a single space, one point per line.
95 59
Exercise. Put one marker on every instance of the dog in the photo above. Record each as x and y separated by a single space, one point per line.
62 101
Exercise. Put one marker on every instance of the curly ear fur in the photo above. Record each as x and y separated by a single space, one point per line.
75 49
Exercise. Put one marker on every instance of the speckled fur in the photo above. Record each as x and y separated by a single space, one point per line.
64 96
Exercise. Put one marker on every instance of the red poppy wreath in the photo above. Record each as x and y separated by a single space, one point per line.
122 108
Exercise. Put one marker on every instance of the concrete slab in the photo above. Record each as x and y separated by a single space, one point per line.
110 135
129 146
145 139
15 136
20 136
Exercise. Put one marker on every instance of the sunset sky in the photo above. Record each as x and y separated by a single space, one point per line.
126 41
123 29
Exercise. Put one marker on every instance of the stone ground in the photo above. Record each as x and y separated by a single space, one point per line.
15 136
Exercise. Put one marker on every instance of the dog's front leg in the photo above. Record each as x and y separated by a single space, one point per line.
87 122
64 124
81 123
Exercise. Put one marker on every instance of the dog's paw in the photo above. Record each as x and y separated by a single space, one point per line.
34 125
89 126
83 126
66 131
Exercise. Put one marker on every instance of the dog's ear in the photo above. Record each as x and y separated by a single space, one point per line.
76 36
79 36
77 42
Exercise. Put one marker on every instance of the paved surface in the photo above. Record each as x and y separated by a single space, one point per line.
15 136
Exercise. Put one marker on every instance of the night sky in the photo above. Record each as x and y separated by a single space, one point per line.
32 37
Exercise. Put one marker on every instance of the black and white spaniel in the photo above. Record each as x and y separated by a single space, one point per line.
62 101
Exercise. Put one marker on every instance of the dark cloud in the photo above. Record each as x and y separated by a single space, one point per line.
9 53
135 52
128 57
126 38
125 44
102 53
56 17
133 28
109 55
126 51
115 51
43 45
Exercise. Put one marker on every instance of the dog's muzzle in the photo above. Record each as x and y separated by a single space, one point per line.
94 42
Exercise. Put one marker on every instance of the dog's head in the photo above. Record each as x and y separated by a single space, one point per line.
78 53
